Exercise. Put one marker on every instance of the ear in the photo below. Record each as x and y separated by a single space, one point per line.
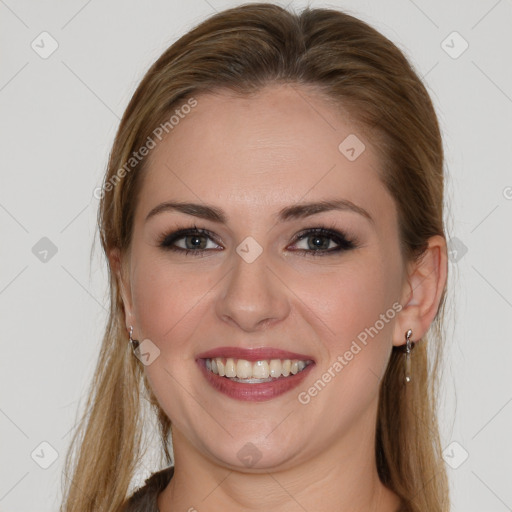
117 266
422 292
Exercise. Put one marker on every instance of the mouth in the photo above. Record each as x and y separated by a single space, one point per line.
261 374
242 370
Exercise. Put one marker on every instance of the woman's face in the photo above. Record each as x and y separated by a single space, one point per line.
250 283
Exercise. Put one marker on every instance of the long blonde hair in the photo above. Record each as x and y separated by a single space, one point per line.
244 49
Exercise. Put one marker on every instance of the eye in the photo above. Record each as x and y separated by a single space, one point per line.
316 241
193 241
319 242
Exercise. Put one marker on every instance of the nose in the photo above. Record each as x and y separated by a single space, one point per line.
253 296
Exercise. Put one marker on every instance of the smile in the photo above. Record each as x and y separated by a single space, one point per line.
254 372
259 381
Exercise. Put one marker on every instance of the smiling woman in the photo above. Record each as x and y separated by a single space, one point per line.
276 261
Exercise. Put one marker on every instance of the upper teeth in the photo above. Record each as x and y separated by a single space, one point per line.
263 369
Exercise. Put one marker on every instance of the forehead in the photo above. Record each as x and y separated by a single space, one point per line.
280 146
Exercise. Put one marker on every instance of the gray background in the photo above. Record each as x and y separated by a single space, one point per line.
59 116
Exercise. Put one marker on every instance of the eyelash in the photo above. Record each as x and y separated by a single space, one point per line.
344 243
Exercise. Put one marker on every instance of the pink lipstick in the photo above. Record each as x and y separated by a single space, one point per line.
262 387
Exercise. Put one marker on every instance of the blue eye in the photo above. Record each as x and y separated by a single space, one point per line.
196 241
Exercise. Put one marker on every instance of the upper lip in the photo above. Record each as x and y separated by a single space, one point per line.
253 354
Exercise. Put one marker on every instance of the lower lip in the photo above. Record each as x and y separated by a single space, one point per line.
253 392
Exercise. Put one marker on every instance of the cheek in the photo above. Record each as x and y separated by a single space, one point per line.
166 298
355 302
352 295
168 311
353 307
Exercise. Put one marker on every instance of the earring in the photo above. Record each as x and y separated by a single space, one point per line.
134 343
409 345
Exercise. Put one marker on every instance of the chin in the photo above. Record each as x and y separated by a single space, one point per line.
251 457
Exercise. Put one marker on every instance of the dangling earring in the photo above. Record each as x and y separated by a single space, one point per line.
134 343
409 345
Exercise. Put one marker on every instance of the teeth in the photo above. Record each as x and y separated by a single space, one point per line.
275 368
286 367
230 368
241 370
260 370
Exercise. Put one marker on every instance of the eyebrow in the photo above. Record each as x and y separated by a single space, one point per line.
297 211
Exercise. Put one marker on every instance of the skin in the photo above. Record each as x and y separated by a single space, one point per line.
251 157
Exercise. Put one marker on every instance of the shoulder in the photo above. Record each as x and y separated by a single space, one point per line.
144 499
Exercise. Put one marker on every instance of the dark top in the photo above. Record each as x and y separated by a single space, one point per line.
144 498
